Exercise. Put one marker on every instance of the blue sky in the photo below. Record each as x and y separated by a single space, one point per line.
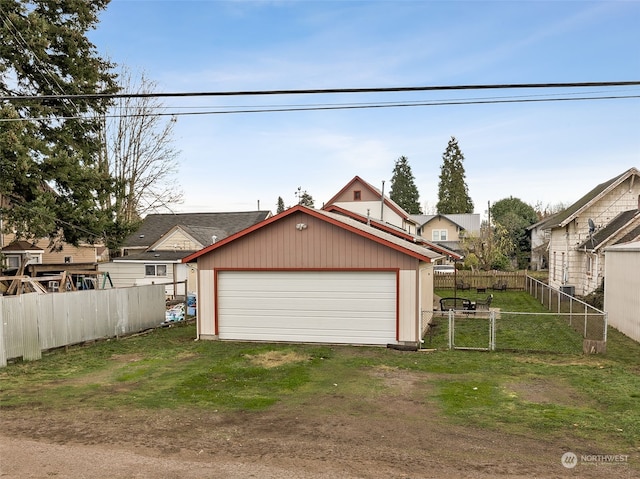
548 152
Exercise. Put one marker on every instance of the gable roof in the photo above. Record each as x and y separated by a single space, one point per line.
566 216
349 224
202 235
394 230
617 224
154 226
387 201
467 221
21 246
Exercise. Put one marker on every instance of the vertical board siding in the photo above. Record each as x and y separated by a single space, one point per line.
206 304
32 323
407 306
320 246
621 298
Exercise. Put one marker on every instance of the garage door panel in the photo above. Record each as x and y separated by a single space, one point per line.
332 307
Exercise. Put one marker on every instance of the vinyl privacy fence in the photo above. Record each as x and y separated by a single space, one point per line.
32 323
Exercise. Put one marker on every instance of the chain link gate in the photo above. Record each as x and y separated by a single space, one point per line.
472 332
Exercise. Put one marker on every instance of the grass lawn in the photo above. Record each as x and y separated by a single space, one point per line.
539 395
523 325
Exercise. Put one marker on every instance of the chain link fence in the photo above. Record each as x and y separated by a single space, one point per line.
495 330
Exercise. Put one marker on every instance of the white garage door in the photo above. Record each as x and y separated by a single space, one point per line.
353 307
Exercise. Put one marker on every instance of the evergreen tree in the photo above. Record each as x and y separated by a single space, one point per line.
280 207
403 187
453 194
49 152
304 198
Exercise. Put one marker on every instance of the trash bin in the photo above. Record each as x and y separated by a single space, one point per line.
191 304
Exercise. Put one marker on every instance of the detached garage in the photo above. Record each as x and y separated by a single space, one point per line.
312 276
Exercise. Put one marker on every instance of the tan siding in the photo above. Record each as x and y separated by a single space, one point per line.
178 240
78 254
206 304
407 307
441 223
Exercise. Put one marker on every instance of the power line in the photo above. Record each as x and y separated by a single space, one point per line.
325 91
338 107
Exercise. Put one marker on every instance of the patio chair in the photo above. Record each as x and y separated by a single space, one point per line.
484 304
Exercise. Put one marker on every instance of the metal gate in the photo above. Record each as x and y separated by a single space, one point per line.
472 331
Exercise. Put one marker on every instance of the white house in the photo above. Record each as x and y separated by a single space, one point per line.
606 215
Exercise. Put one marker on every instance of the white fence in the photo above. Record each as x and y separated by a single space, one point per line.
32 323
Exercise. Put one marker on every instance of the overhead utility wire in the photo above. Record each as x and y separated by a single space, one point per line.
343 107
325 91
307 105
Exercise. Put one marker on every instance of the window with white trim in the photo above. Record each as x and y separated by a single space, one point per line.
589 265
439 235
13 261
155 269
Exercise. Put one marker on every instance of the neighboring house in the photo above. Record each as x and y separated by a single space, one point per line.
313 276
540 237
57 258
153 254
621 298
15 252
448 230
605 216
41 253
360 197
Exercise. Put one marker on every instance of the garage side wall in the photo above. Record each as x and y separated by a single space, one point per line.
621 298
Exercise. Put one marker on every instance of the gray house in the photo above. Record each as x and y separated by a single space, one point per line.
153 254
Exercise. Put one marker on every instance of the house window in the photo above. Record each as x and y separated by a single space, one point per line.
589 266
357 195
155 269
13 261
439 235
554 266
68 259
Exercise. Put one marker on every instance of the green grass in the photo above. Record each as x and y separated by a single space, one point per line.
536 331
571 396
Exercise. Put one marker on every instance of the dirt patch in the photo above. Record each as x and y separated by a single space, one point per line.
545 391
273 359
396 433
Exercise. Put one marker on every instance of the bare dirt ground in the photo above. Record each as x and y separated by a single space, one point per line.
395 435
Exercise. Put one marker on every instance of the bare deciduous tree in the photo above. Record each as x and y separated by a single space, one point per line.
139 152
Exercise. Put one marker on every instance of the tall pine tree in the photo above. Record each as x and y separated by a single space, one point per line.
49 151
453 194
403 187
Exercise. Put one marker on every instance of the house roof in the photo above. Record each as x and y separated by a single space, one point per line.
617 224
468 221
387 201
21 246
154 257
394 230
349 224
631 235
154 226
566 216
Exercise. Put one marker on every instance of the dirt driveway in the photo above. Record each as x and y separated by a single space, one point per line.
394 436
